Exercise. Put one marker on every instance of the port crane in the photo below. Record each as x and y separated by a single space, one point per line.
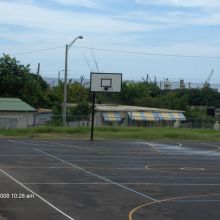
207 82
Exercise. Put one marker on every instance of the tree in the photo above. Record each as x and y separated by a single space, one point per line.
16 80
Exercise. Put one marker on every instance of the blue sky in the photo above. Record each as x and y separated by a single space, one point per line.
185 27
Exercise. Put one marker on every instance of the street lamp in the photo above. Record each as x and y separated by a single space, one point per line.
68 46
59 76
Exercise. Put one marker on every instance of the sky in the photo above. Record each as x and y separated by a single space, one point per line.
174 39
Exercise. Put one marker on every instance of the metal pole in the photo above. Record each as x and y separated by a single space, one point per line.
38 74
93 115
58 77
38 70
65 86
68 46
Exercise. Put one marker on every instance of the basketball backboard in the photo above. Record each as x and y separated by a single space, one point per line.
105 82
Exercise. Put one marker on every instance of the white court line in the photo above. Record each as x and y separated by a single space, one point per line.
21 155
66 167
132 152
72 146
29 143
41 198
148 156
46 144
121 161
198 200
91 156
126 183
92 148
152 146
100 177
146 153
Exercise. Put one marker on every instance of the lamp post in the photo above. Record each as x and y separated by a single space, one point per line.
68 46
59 76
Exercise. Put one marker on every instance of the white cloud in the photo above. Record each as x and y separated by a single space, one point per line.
183 3
48 24
84 3
18 1
174 18
45 27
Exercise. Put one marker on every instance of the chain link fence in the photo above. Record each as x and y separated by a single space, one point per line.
11 121
99 121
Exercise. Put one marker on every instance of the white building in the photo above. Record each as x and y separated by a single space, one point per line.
15 113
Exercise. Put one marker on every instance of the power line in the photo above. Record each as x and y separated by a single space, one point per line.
120 51
37 51
149 54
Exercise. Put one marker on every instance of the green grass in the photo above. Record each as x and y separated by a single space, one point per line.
160 134
130 133
44 132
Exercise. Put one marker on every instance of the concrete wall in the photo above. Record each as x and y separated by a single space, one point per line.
43 118
16 119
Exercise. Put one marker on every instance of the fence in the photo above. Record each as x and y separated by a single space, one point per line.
99 121
34 120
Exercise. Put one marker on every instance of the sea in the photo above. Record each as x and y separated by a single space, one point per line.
172 84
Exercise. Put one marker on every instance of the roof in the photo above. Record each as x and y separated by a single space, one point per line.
125 108
44 110
15 104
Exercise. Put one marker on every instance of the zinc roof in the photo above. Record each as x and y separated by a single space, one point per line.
121 108
15 104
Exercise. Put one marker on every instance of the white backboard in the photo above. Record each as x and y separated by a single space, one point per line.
105 82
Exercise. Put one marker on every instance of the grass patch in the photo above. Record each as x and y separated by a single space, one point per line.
160 134
129 133
44 132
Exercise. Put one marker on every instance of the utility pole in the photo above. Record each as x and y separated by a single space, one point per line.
59 76
68 46
65 86
38 73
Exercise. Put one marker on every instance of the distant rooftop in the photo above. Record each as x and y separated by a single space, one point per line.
127 108
15 105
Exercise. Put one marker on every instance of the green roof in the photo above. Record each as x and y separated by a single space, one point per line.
14 104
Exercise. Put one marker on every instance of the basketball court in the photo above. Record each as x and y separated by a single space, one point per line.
109 180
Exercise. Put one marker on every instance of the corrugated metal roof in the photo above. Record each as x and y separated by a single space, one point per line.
122 108
44 110
14 104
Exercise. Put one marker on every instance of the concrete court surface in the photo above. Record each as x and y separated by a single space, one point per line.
109 180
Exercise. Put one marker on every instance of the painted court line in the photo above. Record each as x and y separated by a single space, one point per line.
159 157
71 146
41 198
30 143
100 177
55 167
124 183
131 213
198 200
153 147
52 144
21 155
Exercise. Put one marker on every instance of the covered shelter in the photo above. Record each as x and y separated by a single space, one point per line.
135 115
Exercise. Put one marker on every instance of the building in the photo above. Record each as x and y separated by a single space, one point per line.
135 116
15 113
43 117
